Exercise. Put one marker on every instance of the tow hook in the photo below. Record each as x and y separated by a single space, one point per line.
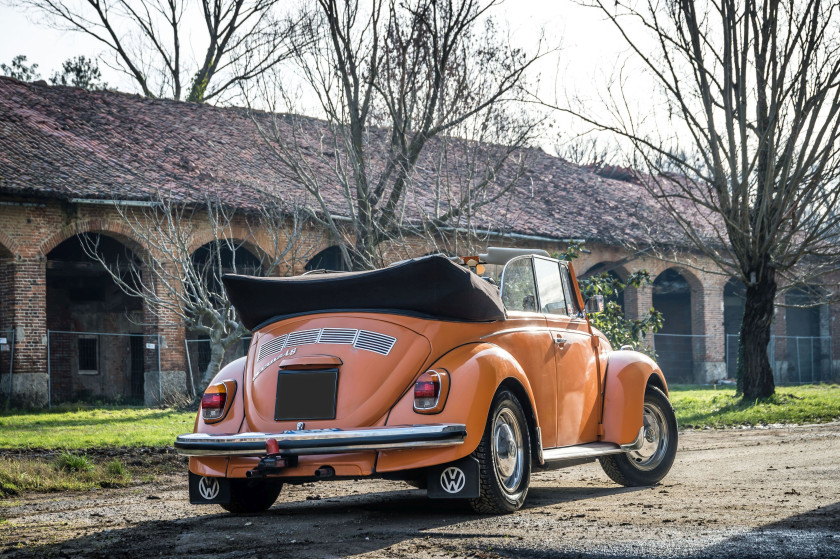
272 462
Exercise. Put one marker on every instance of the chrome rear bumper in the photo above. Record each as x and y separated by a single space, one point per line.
323 441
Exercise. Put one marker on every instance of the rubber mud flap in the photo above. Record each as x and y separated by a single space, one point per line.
209 490
455 480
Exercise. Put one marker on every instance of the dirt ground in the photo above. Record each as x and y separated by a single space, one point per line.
771 492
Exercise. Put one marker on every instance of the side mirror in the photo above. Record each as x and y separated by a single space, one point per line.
594 304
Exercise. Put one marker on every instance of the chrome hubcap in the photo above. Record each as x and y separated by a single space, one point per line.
508 449
655 439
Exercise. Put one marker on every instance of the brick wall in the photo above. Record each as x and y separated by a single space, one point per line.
29 296
30 229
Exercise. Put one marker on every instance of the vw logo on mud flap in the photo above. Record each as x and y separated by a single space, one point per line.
209 488
452 479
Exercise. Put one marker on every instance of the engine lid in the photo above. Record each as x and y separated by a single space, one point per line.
374 360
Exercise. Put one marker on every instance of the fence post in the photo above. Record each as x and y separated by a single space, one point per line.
160 374
49 374
11 365
726 352
798 361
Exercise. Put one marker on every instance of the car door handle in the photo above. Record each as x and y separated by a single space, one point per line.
560 341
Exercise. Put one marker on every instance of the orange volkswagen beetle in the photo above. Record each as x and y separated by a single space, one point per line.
429 371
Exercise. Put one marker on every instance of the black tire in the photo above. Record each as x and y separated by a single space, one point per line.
651 463
504 458
419 483
247 495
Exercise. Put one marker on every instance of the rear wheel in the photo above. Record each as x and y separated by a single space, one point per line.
248 495
651 463
504 458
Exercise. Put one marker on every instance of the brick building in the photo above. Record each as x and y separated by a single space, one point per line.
67 154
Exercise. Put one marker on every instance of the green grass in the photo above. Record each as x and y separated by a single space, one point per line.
76 427
69 462
83 427
116 468
699 407
67 472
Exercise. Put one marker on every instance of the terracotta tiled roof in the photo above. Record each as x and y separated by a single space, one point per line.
67 143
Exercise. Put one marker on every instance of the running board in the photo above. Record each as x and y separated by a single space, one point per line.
592 450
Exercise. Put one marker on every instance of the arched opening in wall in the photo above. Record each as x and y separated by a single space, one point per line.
211 261
672 297
606 267
734 299
6 318
89 317
806 348
328 259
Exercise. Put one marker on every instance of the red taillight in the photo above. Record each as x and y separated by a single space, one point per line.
427 391
213 402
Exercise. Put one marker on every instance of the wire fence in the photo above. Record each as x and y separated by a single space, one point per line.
676 354
103 366
794 359
7 361
198 358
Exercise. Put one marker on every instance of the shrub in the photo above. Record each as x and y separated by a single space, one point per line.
115 468
69 462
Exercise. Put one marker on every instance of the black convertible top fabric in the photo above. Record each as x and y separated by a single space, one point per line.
431 285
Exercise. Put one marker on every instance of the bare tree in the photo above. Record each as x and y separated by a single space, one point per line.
149 40
585 150
746 157
178 282
422 128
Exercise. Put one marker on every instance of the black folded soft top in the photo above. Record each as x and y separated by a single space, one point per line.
431 286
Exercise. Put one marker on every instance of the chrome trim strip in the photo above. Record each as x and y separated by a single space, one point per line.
271 347
375 342
590 450
321 450
593 450
361 339
521 329
349 440
536 329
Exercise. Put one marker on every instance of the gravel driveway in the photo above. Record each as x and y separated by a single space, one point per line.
771 492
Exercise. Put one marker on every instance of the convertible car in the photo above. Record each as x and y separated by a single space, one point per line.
433 371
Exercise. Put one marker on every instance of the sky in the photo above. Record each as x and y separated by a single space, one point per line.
588 46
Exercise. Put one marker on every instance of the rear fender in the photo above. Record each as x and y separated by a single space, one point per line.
628 375
476 372
217 466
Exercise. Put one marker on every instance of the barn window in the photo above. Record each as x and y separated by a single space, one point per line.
88 356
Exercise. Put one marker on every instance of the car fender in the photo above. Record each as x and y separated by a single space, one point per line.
476 372
217 466
628 375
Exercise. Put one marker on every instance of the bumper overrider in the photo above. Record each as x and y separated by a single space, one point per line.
322 441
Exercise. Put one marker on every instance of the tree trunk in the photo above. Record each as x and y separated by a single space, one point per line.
217 354
364 257
755 337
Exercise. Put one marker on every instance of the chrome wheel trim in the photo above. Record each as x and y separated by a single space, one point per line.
508 450
656 439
